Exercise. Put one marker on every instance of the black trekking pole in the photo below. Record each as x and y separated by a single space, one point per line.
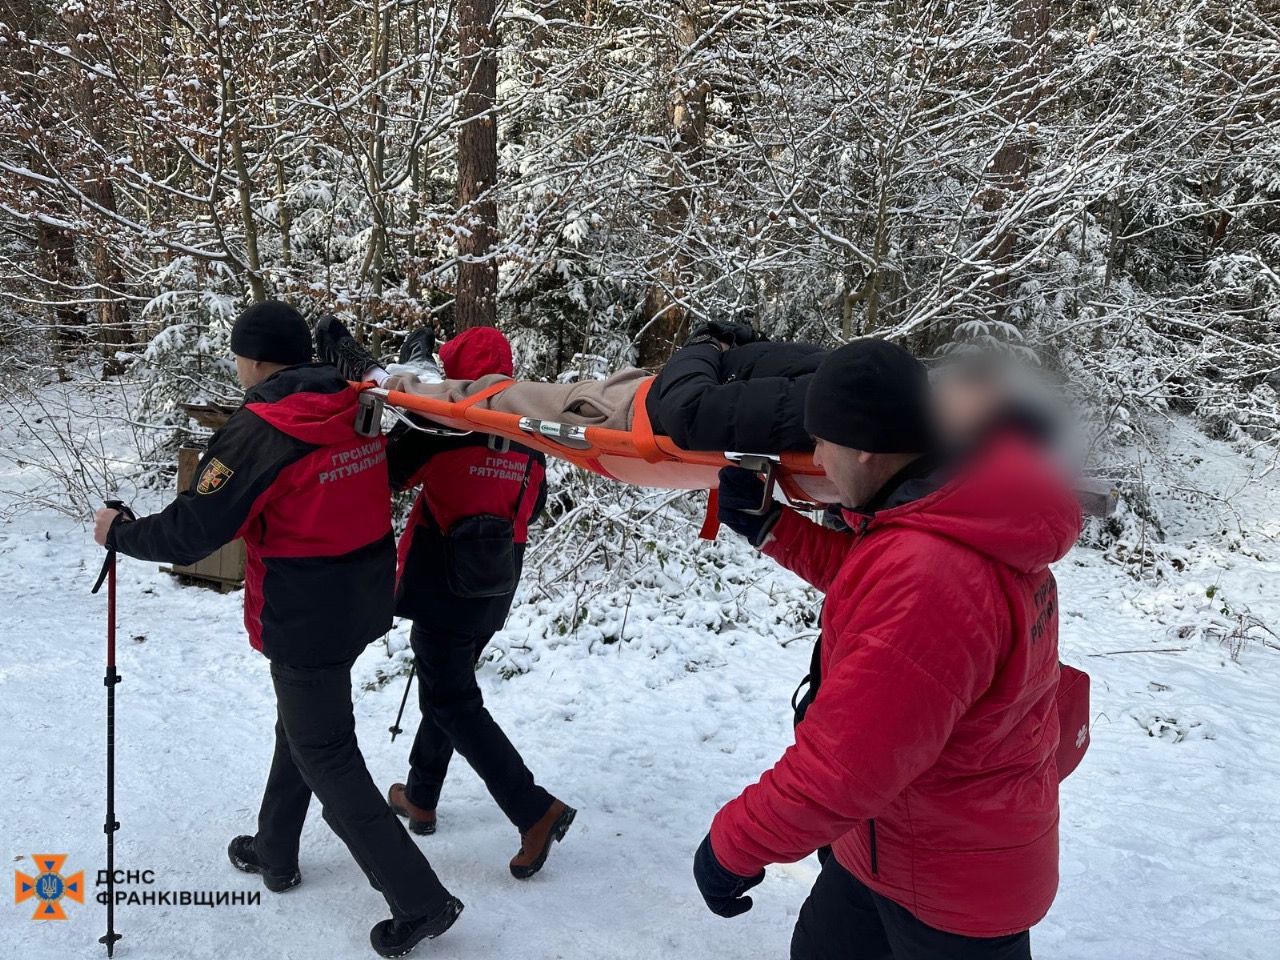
395 727
111 825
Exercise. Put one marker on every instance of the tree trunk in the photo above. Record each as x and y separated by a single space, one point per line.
1012 162
59 265
244 189
57 248
477 290
115 323
663 316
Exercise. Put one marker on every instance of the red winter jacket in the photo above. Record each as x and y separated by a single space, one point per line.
927 756
461 477
290 475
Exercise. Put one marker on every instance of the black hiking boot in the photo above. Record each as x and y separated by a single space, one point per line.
244 856
395 938
335 345
419 347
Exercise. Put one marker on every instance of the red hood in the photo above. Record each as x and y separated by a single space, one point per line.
477 352
311 403
1011 503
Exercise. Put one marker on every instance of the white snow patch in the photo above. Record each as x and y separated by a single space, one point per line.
1169 828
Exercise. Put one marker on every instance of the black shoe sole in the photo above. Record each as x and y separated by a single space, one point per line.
558 830
281 884
438 925
273 882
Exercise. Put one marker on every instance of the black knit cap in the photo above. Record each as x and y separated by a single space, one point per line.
271 331
871 395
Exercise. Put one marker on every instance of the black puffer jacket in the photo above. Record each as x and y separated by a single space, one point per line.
747 399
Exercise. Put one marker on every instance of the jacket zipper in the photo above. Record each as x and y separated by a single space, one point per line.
875 859
859 533
860 530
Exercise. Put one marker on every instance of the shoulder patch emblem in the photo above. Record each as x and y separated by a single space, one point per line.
213 476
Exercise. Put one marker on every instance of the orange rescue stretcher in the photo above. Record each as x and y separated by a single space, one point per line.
637 456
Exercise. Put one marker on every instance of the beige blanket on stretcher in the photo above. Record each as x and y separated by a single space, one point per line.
587 403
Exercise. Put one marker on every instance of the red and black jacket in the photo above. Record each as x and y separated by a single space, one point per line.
460 477
289 474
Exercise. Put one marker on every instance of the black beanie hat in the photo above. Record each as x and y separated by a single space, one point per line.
871 395
271 331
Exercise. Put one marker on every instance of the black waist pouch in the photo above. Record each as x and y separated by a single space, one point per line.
480 555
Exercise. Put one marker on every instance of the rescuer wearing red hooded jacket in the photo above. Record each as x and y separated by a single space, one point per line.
460 561
925 758
289 474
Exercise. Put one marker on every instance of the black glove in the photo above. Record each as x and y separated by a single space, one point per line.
723 891
732 333
741 491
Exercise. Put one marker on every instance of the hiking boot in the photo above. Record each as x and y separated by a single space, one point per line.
421 820
244 856
395 938
535 843
417 358
419 347
335 345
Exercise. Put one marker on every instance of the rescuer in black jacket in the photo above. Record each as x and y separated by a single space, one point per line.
289 475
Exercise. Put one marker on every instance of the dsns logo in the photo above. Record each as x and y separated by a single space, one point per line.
49 886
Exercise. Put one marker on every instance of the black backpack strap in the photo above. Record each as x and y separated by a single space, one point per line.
800 703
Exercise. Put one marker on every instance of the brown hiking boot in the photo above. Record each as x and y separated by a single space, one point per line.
421 821
535 843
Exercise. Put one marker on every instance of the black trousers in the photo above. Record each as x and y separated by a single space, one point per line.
845 920
317 752
454 717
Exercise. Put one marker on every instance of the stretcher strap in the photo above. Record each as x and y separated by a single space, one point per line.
641 429
491 390
711 522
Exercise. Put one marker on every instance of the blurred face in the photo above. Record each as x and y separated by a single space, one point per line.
963 405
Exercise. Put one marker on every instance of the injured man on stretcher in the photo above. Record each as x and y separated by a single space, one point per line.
726 389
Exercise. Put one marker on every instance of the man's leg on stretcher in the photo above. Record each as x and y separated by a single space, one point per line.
588 403
710 396
335 344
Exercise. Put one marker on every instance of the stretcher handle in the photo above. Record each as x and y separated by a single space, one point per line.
369 417
369 414
765 464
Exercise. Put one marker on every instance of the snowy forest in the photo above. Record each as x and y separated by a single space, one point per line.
1093 185
1092 188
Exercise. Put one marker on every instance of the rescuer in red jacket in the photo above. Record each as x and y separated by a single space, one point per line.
289 474
925 759
460 562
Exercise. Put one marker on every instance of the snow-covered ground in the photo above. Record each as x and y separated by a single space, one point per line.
1170 826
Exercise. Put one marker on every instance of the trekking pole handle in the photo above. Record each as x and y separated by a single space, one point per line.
109 562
